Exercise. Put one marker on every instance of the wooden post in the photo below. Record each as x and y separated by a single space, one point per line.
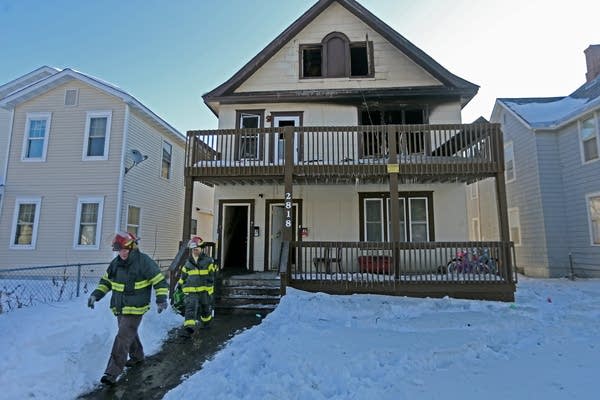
502 205
393 170
288 198
187 209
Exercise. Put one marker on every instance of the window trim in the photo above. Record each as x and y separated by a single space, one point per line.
510 145
260 113
588 197
139 222
88 120
162 159
36 221
88 200
36 116
474 190
347 57
594 118
407 196
518 225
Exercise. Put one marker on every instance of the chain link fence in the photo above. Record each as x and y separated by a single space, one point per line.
26 287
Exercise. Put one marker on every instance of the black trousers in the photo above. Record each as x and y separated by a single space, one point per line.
127 343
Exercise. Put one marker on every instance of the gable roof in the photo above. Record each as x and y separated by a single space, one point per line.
458 85
66 75
26 80
555 112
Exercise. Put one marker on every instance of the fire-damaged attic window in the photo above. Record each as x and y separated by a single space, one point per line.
336 57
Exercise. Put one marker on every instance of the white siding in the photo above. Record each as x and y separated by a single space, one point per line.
331 212
392 68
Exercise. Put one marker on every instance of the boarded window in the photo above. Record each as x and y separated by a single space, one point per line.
336 57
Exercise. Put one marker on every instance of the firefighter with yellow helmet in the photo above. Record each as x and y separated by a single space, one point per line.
197 281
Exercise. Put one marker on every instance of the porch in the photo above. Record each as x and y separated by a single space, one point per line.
388 154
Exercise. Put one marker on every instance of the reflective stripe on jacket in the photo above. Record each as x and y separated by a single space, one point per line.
198 276
131 282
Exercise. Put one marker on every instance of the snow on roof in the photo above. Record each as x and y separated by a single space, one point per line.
553 112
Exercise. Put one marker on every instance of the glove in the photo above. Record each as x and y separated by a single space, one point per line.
161 306
91 301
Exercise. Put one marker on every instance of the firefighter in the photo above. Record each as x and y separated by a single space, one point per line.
197 282
131 276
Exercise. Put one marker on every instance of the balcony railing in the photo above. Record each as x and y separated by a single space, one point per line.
459 269
351 151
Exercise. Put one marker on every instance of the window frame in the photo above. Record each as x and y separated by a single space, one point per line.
36 116
596 137
509 145
76 102
88 120
406 197
81 200
36 221
588 198
347 61
260 151
139 222
163 161
515 211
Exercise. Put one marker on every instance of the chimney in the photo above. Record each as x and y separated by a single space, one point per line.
592 59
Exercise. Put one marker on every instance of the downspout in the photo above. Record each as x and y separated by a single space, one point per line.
122 171
3 183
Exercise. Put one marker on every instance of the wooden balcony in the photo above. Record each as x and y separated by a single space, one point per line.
337 154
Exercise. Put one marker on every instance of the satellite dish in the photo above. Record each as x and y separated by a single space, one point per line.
137 156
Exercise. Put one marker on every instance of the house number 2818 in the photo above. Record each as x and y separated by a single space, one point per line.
288 210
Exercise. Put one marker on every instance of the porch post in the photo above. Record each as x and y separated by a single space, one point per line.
393 169
288 226
502 205
187 209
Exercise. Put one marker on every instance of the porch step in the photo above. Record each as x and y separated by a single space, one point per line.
252 293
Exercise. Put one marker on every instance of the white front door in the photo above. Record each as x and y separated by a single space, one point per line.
279 151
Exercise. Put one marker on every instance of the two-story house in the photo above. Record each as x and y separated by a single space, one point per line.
340 160
552 157
84 159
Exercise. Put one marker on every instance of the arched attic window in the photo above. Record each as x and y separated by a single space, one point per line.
336 56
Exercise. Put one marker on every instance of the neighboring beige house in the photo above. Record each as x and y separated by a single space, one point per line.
344 141
84 159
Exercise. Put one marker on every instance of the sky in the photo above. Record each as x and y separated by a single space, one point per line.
319 346
167 54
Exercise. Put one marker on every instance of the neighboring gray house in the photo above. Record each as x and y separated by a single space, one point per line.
552 162
71 145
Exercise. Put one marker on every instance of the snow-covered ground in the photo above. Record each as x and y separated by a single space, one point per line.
317 346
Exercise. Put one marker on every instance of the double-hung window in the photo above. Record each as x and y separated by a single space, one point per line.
25 222
37 131
588 131
167 154
414 217
89 223
97 135
133 220
593 201
509 162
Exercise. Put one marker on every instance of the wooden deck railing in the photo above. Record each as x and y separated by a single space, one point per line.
483 269
430 150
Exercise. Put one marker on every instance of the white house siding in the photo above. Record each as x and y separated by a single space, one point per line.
62 178
161 200
331 213
448 113
578 180
392 68
485 208
203 211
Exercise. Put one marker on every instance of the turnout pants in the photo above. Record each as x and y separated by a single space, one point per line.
127 342
198 307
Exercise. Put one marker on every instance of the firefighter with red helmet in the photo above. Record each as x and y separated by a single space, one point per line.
197 282
131 276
